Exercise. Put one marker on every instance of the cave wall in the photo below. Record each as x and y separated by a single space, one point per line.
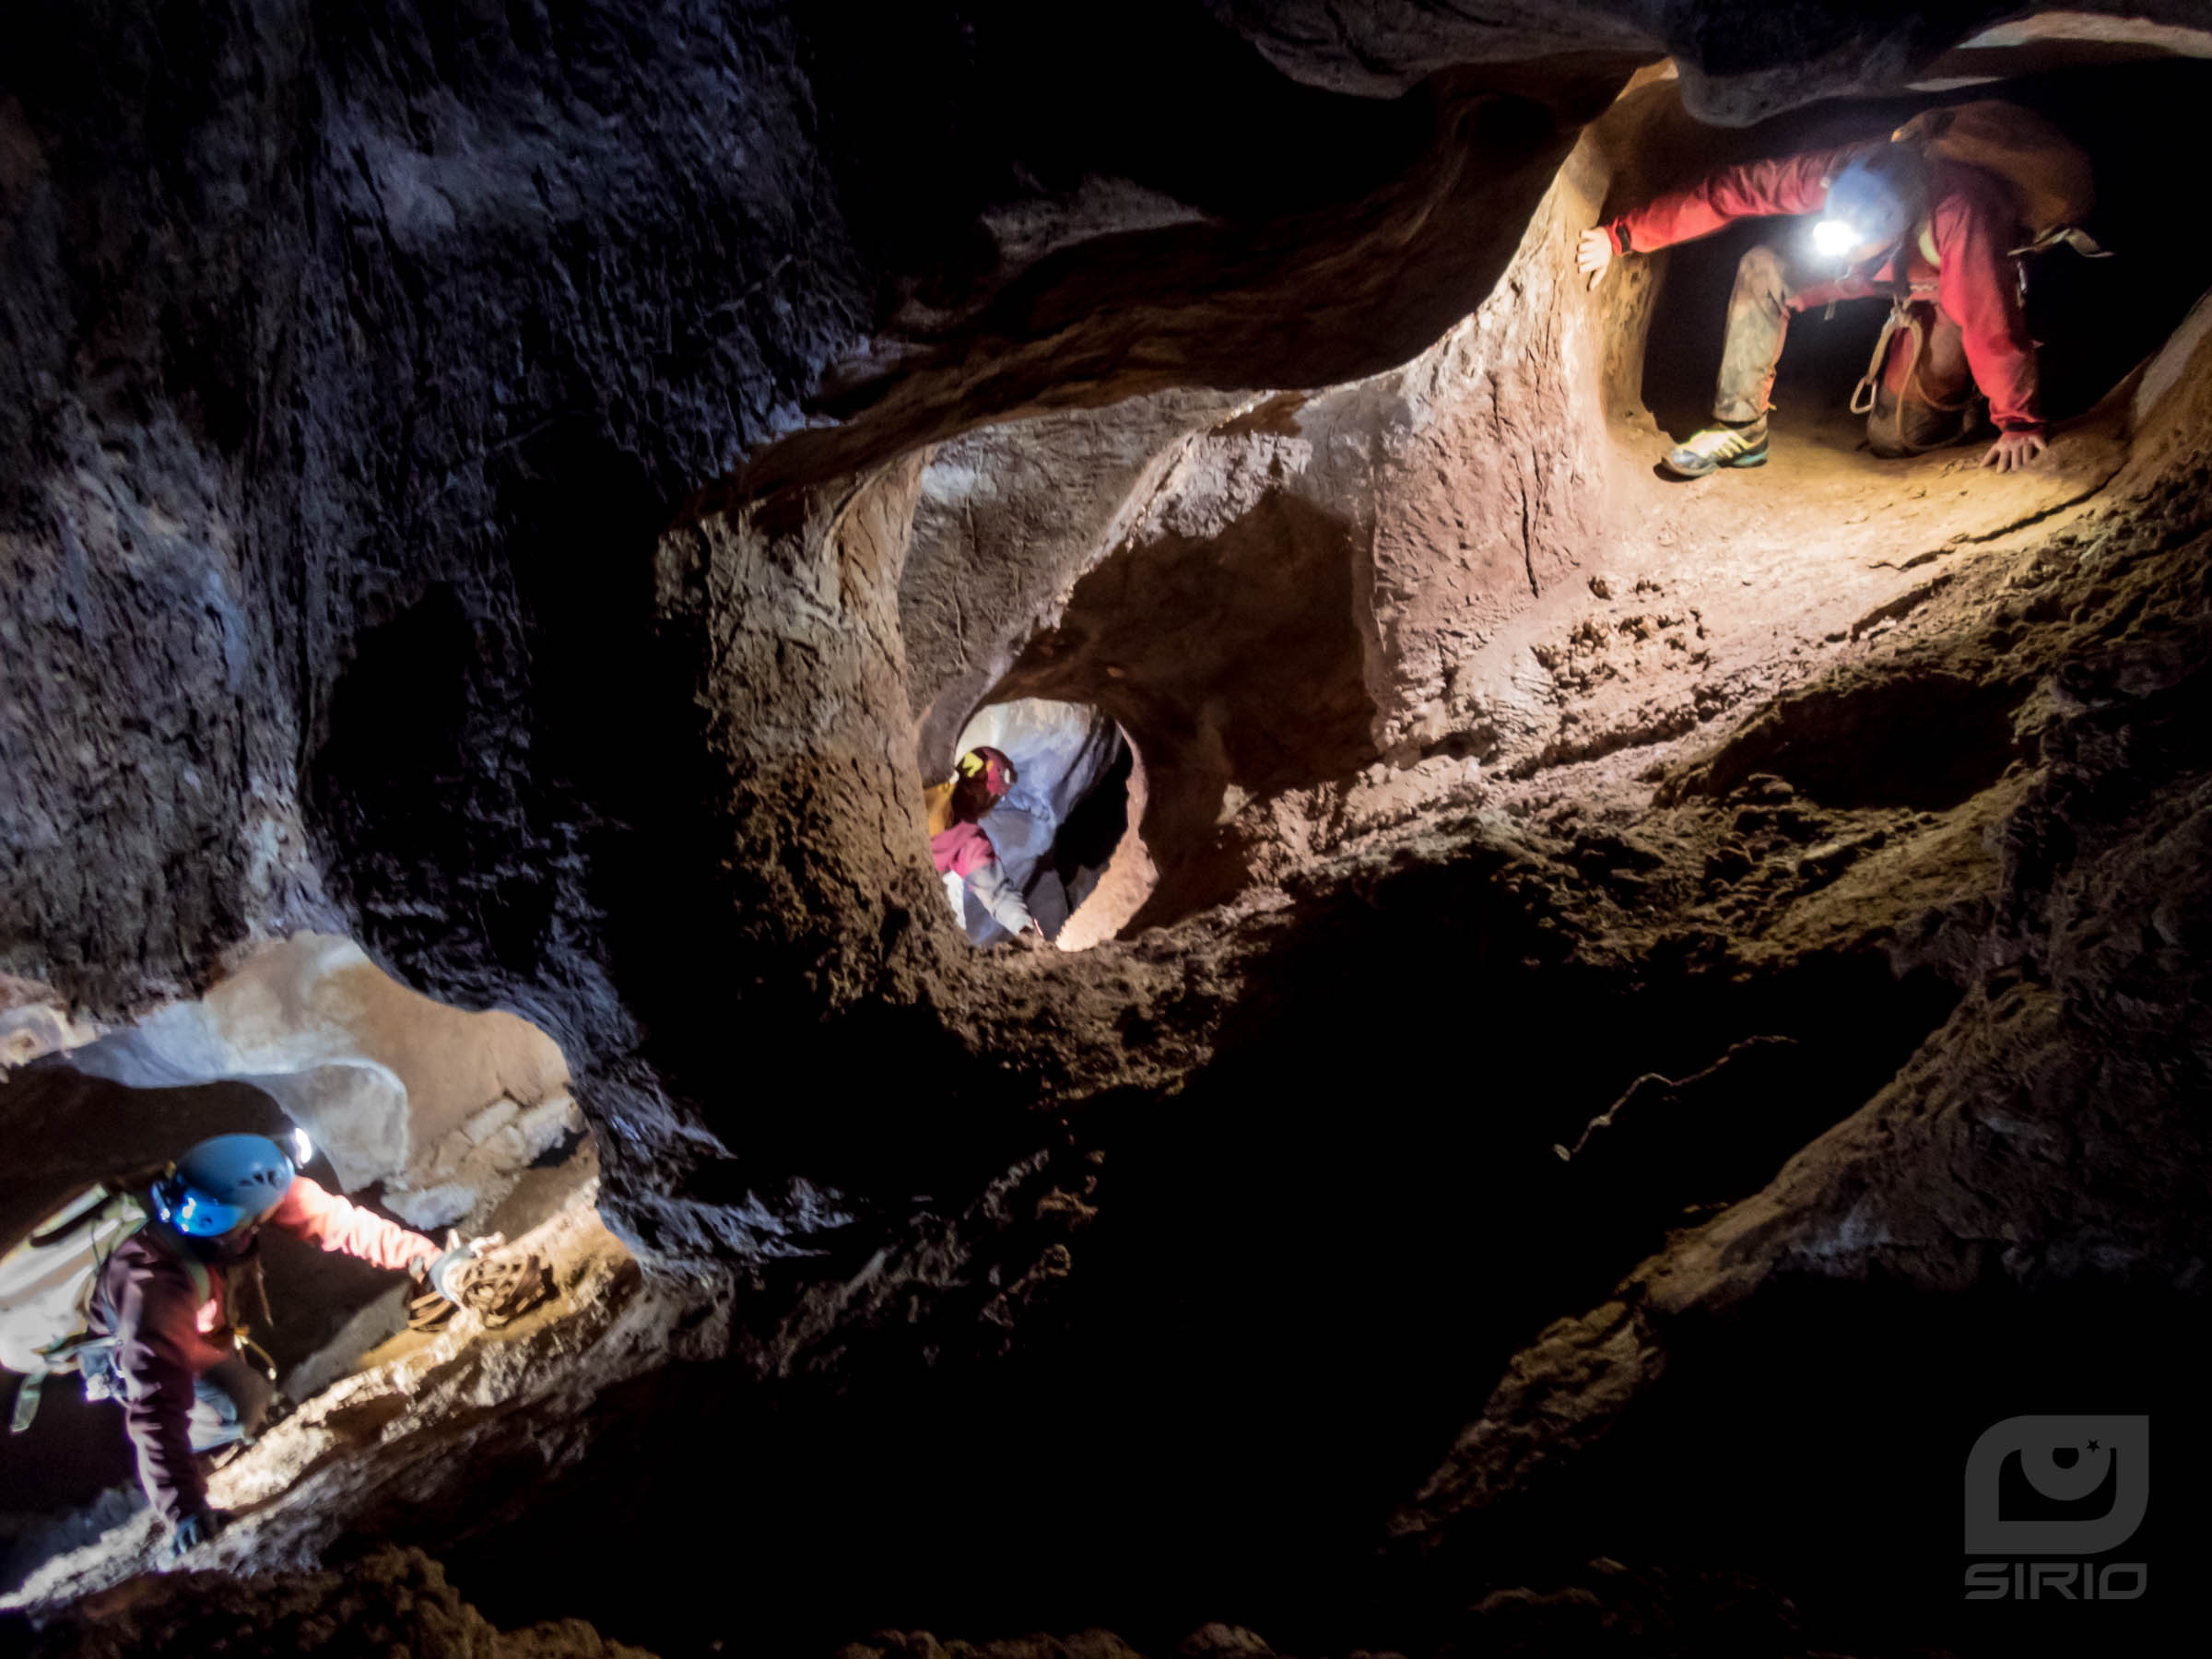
383 1079
1740 62
271 390
1007 518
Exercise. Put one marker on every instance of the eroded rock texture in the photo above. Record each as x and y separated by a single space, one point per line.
1652 995
395 1601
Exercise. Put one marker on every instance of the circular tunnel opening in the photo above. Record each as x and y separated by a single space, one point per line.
1064 836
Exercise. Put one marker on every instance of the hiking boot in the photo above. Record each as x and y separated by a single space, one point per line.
1719 446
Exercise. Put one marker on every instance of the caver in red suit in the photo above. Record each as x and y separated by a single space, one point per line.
1952 267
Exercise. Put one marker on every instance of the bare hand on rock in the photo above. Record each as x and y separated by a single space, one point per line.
1593 254
2012 451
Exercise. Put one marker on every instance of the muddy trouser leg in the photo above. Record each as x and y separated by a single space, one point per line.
1758 321
227 1404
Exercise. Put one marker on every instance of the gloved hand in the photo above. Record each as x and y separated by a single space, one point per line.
443 1273
196 1529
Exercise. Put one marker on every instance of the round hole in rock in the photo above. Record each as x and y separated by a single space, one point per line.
1068 833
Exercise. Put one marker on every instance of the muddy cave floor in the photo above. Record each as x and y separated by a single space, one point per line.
1759 575
1241 1361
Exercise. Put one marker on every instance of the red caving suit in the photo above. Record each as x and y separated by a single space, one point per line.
1973 285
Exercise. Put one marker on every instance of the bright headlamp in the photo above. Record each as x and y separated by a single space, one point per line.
1833 237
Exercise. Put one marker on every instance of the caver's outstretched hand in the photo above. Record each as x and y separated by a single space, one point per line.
1593 254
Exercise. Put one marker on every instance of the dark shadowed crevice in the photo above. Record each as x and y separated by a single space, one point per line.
1776 1415
1929 739
1005 101
1087 841
1303 1265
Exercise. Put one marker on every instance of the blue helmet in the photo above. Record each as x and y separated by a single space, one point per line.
1878 194
223 1185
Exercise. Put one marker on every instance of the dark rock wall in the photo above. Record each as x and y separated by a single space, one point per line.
1007 519
1741 60
303 309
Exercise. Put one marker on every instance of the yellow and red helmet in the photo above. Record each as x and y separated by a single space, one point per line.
991 767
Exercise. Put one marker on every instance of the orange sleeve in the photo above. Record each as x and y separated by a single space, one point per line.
324 1218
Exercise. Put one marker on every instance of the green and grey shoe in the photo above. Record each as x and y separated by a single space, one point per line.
1716 447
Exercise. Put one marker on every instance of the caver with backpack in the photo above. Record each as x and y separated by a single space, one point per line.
1933 220
146 1289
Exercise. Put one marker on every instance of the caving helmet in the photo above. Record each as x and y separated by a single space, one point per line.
223 1185
1872 202
991 768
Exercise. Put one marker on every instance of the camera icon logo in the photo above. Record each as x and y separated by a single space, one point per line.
2071 1486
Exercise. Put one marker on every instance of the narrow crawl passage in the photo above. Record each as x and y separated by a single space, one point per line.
2087 319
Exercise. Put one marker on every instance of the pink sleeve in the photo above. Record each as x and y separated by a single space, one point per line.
324 1218
963 850
1792 185
1979 286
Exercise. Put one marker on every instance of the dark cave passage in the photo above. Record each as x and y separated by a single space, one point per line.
1303 1267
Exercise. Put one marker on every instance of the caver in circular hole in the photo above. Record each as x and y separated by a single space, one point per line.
1038 823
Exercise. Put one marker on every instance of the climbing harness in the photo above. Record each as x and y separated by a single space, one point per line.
1904 318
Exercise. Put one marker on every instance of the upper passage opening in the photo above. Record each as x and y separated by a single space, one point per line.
1751 315
1035 831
